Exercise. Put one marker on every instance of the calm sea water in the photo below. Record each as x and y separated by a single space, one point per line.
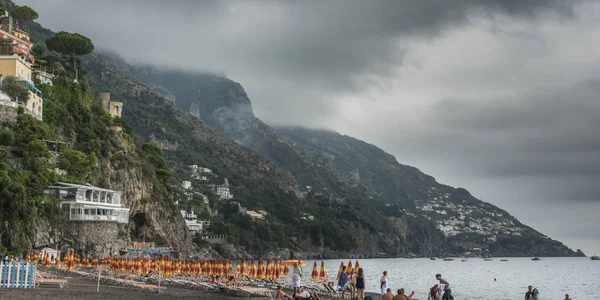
474 279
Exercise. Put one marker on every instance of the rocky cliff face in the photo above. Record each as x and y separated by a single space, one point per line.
153 215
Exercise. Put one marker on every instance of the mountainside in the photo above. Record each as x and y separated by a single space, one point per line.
347 170
76 142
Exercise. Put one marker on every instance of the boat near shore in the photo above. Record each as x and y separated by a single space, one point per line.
432 258
536 258
595 257
448 259
504 260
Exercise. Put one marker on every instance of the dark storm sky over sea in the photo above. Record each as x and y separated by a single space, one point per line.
499 97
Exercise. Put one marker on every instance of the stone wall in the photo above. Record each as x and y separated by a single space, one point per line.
8 114
97 238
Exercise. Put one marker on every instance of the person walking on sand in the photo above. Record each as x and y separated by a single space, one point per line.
296 276
535 294
447 291
360 284
384 283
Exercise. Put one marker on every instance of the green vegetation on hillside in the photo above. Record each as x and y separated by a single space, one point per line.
74 136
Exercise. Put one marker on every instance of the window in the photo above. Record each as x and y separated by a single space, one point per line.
86 211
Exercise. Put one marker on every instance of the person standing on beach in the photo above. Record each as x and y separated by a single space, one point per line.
529 293
447 291
360 284
297 274
343 282
384 283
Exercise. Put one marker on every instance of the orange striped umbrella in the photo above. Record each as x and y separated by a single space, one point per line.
269 271
252 269
278 269
261 269
356 267
339 271
315 271
36 257
243 268
95 262
349 269
323 272
57 261
286 270
28 257
47 260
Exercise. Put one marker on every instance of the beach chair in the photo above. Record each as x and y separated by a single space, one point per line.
41 280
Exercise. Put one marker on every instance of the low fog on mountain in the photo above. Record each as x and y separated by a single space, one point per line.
499 98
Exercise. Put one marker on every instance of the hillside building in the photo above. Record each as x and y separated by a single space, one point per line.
15 65
15 39
223 191
193 224
89 203
113 108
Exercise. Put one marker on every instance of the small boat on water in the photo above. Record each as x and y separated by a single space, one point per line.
448 259
488 259
536 258
504 260
464 260
432 258
595 257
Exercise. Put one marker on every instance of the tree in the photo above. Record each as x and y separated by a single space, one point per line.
24 13
73 44
14 89
38 51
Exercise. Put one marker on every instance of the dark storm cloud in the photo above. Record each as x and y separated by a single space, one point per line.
312 47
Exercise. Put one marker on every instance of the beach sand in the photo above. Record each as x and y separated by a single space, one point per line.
80 288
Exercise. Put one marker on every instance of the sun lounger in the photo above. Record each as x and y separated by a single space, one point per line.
49 281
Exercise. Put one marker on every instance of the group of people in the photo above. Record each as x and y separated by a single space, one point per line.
355 283
533 294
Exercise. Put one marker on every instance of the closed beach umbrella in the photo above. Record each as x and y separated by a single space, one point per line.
36 257
323 272
277 269
349 269
315 271
252 269
57 261
286 270
339 271
95 262
28 257
261 269
269 270
243 269
356 267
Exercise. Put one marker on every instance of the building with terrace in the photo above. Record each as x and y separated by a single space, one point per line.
15 39
89 203
15 65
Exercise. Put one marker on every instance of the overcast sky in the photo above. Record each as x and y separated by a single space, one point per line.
499 97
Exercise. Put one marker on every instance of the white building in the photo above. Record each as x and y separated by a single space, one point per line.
186 185
191 220
197 169
223 191
89 203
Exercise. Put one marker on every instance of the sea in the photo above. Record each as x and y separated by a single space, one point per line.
479 279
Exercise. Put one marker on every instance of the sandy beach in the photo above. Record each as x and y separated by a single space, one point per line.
80 288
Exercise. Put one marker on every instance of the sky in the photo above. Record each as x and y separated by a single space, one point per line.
498 96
